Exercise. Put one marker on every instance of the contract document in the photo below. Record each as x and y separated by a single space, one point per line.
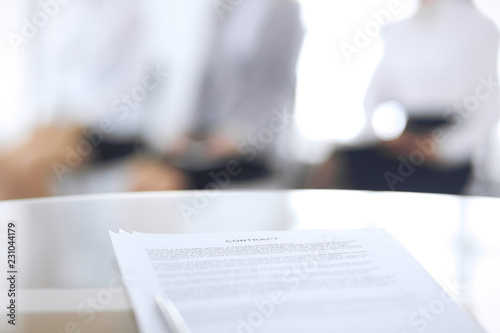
345 281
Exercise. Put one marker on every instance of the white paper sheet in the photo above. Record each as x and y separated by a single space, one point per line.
285 281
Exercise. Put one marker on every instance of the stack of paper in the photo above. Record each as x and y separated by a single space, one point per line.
285 281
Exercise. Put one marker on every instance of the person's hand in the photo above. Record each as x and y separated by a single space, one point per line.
221 147
410 143
26 169
151 175
214 147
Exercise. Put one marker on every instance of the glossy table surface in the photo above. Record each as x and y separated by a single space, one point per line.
67 278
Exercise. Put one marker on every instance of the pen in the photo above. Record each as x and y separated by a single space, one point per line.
172 316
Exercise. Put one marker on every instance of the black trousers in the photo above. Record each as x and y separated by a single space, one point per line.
374 169
108 151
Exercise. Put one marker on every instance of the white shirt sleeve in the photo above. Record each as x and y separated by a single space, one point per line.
86 56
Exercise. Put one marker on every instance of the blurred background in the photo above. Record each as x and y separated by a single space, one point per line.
114 95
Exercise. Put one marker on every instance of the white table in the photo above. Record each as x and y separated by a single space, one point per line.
65 258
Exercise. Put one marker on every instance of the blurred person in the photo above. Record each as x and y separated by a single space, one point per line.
75 73
77 58
439 73
249 80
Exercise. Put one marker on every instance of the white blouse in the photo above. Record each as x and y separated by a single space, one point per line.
437 62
